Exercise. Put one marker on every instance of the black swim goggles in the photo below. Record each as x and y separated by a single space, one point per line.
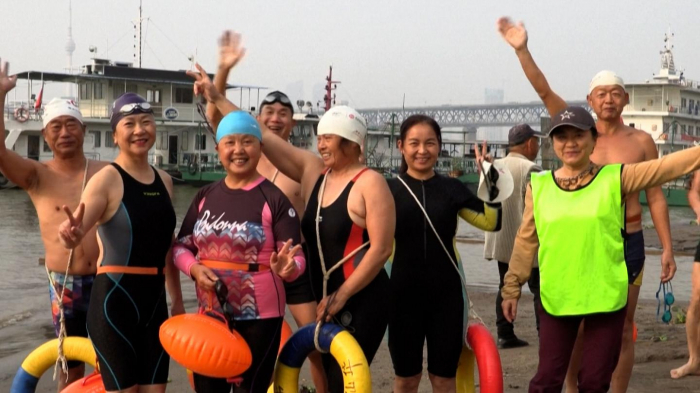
221 291
275 97
491 180
668 300
128 109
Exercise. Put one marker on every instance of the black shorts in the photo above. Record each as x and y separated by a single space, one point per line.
423 312
635 257
299 291
697 254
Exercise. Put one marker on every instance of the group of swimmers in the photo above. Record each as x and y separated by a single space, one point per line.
286 226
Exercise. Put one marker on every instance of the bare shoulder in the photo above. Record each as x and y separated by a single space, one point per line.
99 164
167 180
372 180
645 143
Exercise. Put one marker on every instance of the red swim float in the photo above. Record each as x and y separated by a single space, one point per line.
205 345
90 384
487 358
286 333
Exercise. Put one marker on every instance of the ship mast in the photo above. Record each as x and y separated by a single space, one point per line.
137 37
330 86
70 48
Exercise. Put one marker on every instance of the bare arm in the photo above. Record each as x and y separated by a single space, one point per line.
516 36
694 195
659 213
381 224
21 171
293 162
230 53
172 274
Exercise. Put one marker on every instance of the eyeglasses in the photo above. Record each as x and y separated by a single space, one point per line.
491 179
222 295
668 300
276 96
203 113
131 108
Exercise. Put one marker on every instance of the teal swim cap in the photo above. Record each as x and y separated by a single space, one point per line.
238 122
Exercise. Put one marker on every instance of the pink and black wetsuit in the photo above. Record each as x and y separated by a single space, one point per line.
235 232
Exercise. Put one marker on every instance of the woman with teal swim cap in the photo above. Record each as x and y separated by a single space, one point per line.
243 231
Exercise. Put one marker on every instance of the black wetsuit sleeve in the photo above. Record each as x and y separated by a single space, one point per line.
485 216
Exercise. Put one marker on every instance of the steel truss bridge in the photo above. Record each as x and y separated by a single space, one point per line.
493 115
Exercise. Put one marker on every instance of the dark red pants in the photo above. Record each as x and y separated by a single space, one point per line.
602 339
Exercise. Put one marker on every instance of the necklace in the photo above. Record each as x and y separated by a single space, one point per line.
567 182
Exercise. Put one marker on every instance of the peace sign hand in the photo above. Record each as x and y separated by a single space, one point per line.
203 84
483 155
230 50
70 232
515 35
283 263
7 82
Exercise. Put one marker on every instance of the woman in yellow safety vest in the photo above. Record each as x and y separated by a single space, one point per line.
576 216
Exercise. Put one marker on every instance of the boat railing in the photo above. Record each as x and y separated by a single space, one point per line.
18 109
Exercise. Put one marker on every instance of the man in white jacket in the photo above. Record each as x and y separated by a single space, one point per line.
523 146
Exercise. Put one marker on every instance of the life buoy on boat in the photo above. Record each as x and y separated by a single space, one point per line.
333 338
487 359
21 114
42 358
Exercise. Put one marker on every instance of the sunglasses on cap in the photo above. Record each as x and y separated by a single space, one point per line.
138 106
668 300
222 295
491 180
274 97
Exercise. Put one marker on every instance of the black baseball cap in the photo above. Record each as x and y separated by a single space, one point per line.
521 134
574 116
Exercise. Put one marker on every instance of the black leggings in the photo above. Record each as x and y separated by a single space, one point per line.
263 338
365 316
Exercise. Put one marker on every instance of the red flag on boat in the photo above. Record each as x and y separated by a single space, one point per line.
37 104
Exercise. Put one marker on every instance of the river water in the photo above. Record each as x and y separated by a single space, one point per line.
24 301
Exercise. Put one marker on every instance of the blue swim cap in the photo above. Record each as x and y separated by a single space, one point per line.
238 122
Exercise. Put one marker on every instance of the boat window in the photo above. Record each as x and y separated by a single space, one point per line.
200 142
98 91
97 138
86 91
153 96
184 95
184 142
46 147
109 139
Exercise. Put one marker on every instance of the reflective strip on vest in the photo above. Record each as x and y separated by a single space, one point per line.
581 255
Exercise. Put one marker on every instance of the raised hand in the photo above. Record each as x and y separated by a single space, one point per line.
7 82
514 34
70 232
283 263
230 50
203 85
483 155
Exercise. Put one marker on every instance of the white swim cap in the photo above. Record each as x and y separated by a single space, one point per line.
605 78
344 122
61 107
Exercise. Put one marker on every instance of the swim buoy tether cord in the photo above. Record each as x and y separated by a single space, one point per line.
61 359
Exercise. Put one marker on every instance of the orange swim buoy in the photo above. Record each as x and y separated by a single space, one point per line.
488 360
90 384
205 345
286 333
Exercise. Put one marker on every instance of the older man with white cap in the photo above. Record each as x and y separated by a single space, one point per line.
616 143
50 185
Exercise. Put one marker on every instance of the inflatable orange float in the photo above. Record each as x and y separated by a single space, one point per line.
205 345
90 384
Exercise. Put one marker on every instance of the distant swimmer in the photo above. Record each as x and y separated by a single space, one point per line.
130 202
50 185
275 113
427 302
692 321
617 143
244 232
573 221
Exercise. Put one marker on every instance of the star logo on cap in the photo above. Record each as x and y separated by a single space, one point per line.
566 115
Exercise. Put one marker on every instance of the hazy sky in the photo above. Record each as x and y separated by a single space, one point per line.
436 52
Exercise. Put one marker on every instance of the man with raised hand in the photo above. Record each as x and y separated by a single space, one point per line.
616 143
50 185
275 114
